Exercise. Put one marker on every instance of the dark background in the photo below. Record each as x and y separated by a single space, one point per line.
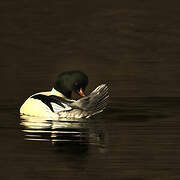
132 45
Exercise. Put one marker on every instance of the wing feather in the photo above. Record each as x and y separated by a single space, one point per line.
95 102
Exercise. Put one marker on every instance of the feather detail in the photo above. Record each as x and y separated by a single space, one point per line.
95 102
58 108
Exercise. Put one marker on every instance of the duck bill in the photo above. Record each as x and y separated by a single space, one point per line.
81 92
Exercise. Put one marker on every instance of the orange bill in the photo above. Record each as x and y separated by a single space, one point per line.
81 92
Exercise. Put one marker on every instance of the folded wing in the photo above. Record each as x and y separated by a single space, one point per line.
95 102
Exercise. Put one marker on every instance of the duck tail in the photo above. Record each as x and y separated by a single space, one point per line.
95 102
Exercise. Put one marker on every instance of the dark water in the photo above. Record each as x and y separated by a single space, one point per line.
135 138
134 47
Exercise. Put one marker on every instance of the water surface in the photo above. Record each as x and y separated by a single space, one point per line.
135 138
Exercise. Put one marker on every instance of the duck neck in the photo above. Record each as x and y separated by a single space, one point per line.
57 93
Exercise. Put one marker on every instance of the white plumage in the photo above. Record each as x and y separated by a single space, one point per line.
53 104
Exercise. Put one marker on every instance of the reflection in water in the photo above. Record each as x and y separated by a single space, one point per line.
64 131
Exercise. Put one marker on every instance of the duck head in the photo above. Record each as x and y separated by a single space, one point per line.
71 81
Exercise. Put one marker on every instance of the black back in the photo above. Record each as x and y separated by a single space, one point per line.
48 99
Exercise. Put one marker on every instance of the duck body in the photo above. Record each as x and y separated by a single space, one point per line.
54 104
41 105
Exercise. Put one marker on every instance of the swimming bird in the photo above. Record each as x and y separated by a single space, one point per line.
57 103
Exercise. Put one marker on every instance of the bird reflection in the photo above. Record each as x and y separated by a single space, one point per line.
63 131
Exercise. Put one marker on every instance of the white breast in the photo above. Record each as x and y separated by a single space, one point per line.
35 107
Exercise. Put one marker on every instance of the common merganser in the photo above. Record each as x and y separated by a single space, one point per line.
57 103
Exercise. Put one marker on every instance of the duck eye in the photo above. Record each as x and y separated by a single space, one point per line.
76 85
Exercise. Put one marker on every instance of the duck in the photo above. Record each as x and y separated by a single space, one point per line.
58 102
